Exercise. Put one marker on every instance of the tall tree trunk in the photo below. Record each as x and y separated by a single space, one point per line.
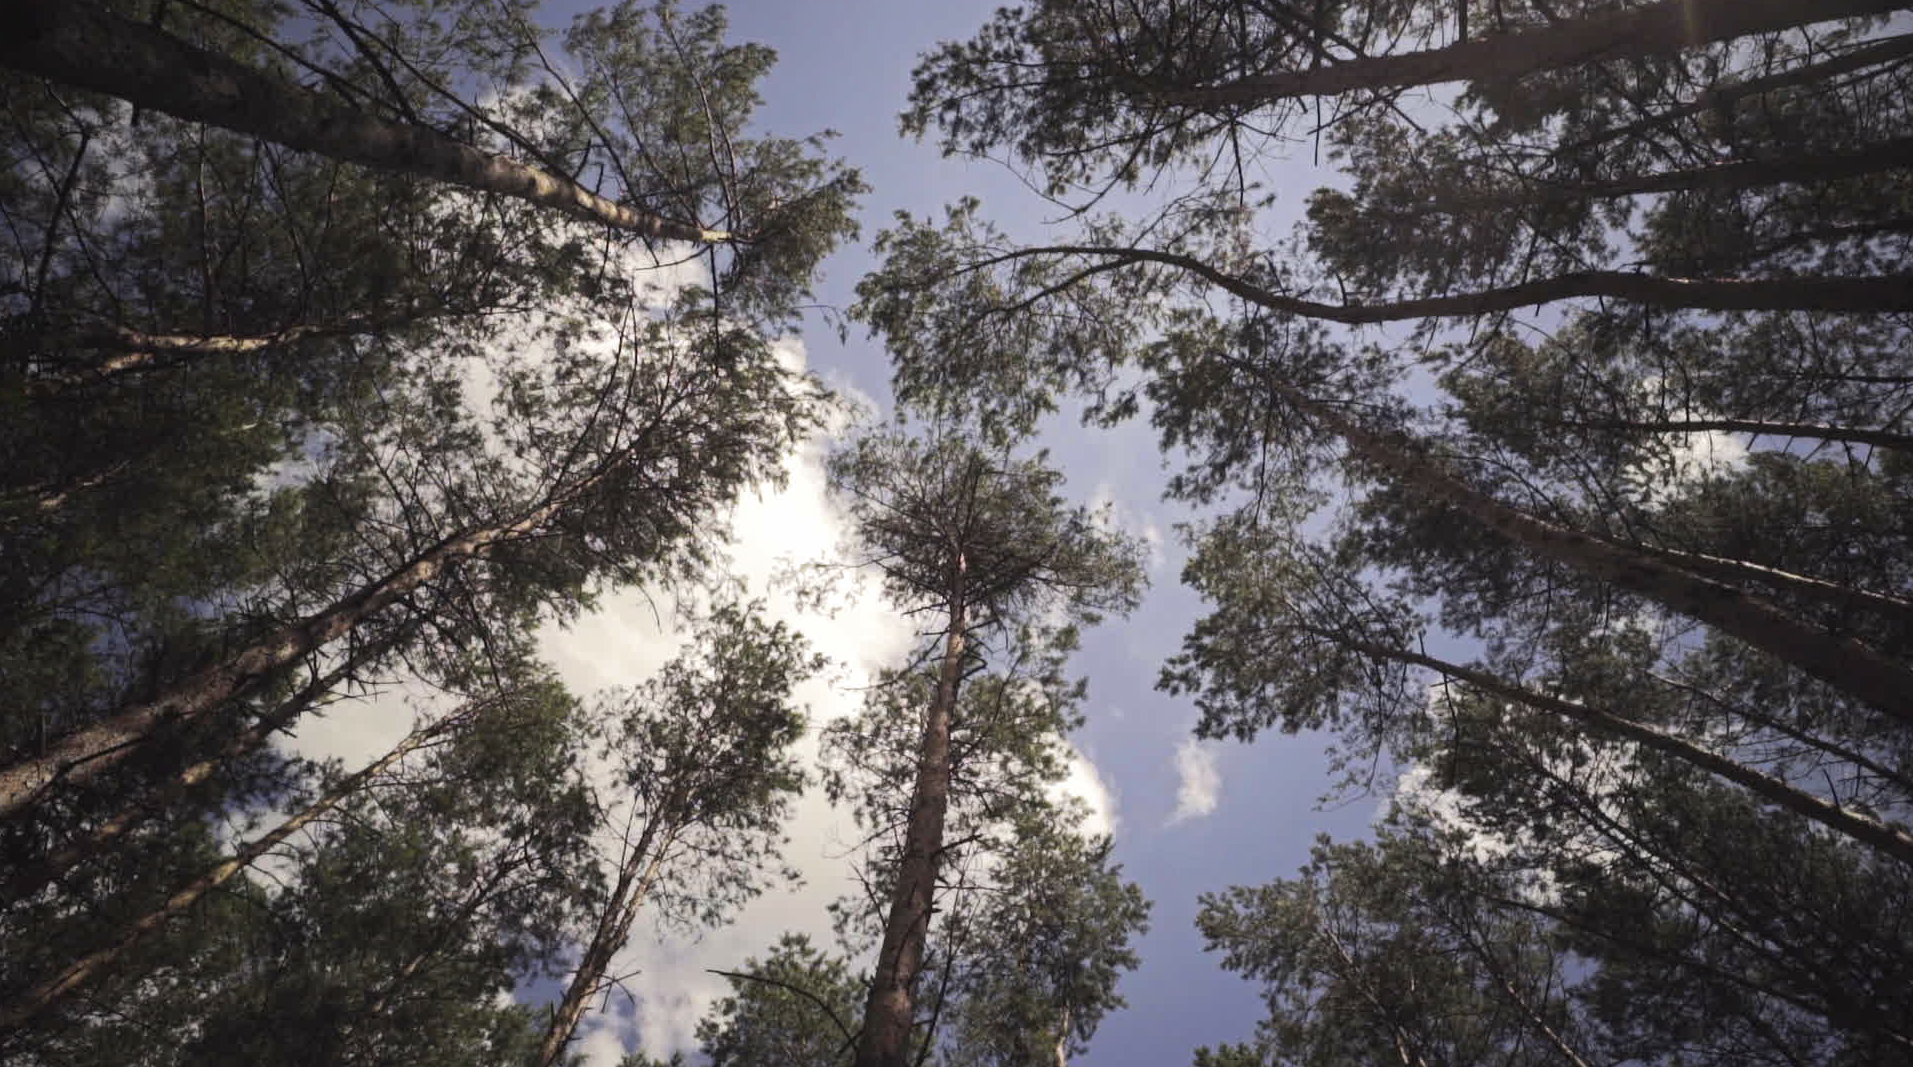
1867 831
1664 28
77 43
1899 442
1858 295
1896 154
136 350
1843 663
90 750
889 1012
1725 96
26 881
51 990
635 877
1895 609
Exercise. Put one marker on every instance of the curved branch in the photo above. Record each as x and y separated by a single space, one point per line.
1856 294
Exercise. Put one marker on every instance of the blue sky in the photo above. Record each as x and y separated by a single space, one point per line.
845 65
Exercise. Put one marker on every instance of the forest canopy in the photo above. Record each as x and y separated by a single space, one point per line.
1551 455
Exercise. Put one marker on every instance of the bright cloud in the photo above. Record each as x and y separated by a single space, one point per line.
1199 782
1086 784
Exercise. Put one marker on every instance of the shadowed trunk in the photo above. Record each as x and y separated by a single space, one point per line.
635 876
51 990
1868 831
76 43
1860 294
889 1012
1843 663
1664 28
24 882
88 751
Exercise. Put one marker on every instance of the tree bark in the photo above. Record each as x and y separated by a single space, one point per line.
79 44
1868 831
83 970
1843 663
1899 442
889 1011
26 881
1664 28
1896 154
1725 96
90 750
1858 295
635 876
1805 586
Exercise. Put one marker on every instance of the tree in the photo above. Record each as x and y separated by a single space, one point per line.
454 869
291 431
1042 950
796 1006
702 750
1488 508
982 541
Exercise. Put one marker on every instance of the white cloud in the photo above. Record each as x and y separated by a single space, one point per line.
1085 783
1138 524
1199 782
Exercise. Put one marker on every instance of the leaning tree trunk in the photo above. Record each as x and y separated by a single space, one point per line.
77 43
1664 28
25 881
1841 662
48 992
1899 442
889 1011
1844 821
635 877
1722 97
88 751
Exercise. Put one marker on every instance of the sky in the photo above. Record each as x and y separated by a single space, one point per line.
1188 817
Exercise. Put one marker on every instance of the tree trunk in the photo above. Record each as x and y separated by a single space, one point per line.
889 1012
1804 586
51 990
136 350
1870 832
79 44
92 749
25 882
1890 155
1840 662
1859 295
635 877
1899 442
1664 28
1725 96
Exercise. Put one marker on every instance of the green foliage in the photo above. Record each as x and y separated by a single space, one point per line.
702 753
797 1006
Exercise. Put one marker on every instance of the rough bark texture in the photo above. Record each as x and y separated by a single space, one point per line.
640 869
889 1012
1663 28
1841 662
51 990
1888 840
78 44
